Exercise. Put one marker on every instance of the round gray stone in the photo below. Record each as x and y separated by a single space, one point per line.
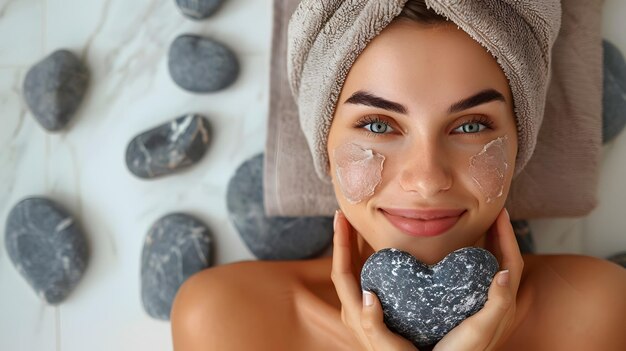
524 236
201 65
619 258
198 9
614 94
176 246
46 247
169 147
423 303
272 238
54 88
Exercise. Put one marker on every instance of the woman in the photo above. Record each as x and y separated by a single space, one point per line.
421 152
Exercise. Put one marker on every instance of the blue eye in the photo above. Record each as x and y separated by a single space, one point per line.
378 127
474 126
374 125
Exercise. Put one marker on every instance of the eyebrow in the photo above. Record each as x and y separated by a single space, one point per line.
362 97
366 98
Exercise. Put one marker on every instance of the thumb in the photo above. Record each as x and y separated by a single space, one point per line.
380 337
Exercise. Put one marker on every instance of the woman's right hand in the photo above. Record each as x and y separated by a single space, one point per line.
489 328
360 311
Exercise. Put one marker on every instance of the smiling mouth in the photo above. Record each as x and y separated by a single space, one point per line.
423 227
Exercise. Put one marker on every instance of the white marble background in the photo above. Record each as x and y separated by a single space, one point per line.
125 46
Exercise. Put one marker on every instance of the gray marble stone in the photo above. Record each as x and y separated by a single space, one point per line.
198 9
46 247
201 65
423 303
272 238
169 147
54 88
176 246
614 95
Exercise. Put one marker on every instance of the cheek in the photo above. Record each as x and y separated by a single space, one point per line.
488 168
358 171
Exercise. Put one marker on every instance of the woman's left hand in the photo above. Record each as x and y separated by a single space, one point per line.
490 326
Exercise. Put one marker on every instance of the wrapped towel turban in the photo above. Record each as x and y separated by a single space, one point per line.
326 36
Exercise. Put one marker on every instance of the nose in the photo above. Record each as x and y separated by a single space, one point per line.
425 170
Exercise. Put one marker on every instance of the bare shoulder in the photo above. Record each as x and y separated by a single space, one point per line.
239 306
585 275
576 302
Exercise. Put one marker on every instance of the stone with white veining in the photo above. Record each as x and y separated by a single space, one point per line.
201 65
423 303
46 247
198 9
169 147
272 238
54 88
176 246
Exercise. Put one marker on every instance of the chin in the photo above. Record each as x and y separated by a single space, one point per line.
431 255
427 250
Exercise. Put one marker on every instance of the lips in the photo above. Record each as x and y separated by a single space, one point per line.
430 222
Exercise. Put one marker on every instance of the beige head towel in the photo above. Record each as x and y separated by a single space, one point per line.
326 36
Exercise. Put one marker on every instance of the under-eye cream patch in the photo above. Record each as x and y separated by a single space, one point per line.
358 171
488 168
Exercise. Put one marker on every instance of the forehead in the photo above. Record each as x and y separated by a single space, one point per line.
424 66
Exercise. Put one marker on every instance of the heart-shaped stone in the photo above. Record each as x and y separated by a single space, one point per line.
423 303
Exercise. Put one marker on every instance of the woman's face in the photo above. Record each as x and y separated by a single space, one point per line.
405 137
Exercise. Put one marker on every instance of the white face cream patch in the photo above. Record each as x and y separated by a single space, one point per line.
358 171
488 168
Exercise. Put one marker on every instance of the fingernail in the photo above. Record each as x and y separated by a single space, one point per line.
507 214
335 220
367 298
503 278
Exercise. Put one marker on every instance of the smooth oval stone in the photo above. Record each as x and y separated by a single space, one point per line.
614 94
198 9
272 238
523 236
201 65
176 246
423 303
46 247
619 258
54 88
169 147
